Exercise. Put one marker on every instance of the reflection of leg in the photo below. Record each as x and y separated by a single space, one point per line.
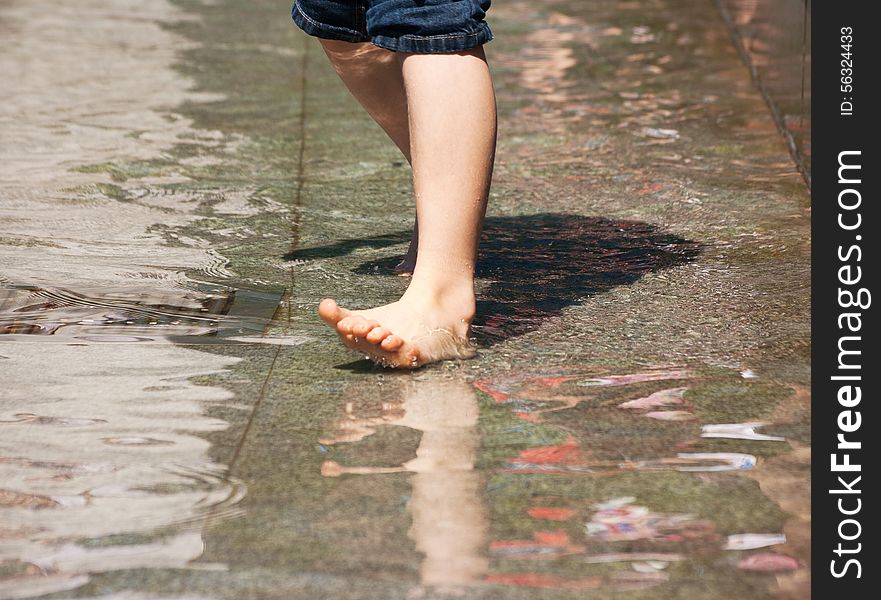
374 77
449 526
452 140
449 519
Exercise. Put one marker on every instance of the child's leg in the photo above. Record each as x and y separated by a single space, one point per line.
452 127
374 77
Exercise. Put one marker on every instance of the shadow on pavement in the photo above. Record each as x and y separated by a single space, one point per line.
531 267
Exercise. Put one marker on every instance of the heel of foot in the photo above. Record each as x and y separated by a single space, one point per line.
441 344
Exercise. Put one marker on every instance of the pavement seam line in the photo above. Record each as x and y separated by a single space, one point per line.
776 116
235 457
294 244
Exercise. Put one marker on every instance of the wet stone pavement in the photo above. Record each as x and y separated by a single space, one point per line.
182 181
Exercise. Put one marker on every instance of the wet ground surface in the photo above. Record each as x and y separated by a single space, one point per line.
776 39
180 185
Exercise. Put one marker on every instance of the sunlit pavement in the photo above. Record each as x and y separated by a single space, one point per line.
182 182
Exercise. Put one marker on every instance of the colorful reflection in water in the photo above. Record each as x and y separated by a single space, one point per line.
571 481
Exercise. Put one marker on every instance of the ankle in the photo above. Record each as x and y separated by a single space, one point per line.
453 295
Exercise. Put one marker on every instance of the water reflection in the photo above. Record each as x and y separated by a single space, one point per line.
560 481
449 520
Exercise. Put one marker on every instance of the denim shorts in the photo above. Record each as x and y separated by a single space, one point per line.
417 26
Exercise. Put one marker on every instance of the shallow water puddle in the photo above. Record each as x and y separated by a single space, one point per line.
135 315
107 470
102 452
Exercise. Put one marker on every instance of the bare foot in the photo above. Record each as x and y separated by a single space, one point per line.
418 329
406 266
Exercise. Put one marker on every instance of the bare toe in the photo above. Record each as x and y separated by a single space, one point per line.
363 327
377 335
392 343
330 312
414 357
405 357
347 325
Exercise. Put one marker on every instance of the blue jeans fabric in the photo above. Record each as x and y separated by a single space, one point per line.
417 26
